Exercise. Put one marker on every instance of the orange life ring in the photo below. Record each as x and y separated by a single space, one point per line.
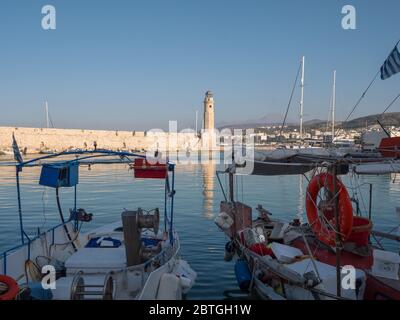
13 288
322 230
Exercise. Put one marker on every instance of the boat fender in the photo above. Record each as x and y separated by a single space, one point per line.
38 292
169 287
243 275
12 288
229 251
186 274
224 221
186 283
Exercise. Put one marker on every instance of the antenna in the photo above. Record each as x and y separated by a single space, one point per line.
333 105
302 97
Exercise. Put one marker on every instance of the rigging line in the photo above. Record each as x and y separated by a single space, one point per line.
51 121
363 95
222 188
290 100
360 192
390 104
310 254
358 102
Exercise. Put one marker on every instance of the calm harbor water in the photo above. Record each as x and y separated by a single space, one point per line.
106 190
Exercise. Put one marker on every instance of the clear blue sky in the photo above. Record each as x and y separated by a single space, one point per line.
137 64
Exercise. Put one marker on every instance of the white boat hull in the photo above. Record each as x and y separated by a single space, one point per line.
92 267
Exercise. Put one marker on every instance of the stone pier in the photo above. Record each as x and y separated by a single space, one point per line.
36 140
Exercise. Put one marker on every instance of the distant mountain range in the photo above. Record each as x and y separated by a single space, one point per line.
267 120
388 119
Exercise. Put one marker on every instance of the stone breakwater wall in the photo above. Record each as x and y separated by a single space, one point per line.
36 140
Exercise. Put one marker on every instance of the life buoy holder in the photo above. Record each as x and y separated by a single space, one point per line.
322 229
12 288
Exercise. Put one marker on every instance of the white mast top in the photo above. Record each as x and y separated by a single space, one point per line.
47 115
302 97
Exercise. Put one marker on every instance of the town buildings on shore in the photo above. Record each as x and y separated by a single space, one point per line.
47 140
273 136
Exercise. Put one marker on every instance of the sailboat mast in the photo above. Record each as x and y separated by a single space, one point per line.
333 104
47 114
302 97
197 113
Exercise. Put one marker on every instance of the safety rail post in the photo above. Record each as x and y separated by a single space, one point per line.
18 169
171 236
165 204
334 170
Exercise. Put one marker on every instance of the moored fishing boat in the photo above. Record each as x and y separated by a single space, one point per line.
132 258
335 255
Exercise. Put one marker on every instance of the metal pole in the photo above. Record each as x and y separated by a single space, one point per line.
333 105
75 198
165 204
47 115
302 97
337 242
231 187
171 236
197 114
370 202
76 224
231 194
19 205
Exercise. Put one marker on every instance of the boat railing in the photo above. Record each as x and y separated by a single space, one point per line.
7 252
282 272
162 257
87 157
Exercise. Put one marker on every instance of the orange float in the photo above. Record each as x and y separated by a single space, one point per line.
12 286
322 229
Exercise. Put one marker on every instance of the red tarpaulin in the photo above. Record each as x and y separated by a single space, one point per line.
390 147
147 170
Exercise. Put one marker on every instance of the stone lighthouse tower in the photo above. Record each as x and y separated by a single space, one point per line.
209 112
208 135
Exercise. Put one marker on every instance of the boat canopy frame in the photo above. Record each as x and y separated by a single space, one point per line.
89 157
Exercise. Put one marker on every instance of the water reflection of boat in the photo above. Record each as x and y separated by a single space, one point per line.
128 259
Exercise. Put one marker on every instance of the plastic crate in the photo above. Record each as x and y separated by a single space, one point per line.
59 175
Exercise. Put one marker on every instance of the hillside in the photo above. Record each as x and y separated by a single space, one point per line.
388 119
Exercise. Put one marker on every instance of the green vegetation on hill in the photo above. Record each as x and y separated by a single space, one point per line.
387 119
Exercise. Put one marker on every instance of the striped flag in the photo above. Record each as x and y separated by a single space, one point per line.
392 64
17 153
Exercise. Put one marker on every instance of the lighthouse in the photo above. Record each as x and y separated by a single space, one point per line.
209 112
208 122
